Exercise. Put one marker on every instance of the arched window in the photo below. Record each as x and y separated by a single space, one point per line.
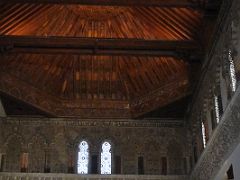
106 158
83 157
204 134
232 71
216 106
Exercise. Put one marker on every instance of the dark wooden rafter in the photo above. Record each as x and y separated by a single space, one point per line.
158 3
97 46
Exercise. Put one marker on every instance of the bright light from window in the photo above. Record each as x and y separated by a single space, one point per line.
106 158
83 156
232 71
216 108
204 135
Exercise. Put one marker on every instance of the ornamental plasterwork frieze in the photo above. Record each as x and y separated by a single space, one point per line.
95 122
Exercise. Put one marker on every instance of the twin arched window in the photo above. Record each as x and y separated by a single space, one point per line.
83 158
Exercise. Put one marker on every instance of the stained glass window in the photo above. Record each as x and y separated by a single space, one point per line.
83 156
232 71
204 135
106 158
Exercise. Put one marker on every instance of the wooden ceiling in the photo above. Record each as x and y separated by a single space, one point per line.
82 78
149 23
95 77
109 59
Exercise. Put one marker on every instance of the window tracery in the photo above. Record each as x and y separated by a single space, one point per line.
232 71
83 158
106 158
204 134
216 109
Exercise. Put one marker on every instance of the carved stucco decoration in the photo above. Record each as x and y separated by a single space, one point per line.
37 153
147 139
13 154
215 153
13 147
235 25
216 61
226 137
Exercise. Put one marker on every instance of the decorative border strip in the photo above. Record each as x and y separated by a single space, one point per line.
153 123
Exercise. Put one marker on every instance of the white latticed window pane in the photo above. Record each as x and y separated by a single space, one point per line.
83 155
216 109
106 158
232 71
204 135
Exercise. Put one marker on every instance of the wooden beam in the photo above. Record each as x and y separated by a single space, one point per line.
95 46
158 3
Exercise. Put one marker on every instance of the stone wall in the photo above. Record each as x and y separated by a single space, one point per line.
41 144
